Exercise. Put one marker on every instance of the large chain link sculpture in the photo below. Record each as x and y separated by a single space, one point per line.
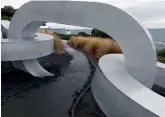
121 84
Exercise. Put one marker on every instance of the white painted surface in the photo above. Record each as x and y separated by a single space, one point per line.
5 23
26 51
1 35
33 67
23 53
39 46
117 82
135 42
4 27
119 94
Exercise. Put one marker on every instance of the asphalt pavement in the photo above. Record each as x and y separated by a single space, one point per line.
26 96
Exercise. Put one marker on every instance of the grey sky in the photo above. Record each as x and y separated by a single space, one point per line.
151 13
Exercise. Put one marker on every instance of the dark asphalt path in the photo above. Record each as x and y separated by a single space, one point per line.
49 96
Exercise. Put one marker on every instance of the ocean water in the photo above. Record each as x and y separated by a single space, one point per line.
158 35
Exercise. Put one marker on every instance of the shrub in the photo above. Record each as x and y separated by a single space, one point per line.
5 18
63 36
161 59
161 52
82 34
99 33
74 41
7 12
95 46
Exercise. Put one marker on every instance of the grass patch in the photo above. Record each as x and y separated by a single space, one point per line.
5 18
161 59
161 55
63 36
95 46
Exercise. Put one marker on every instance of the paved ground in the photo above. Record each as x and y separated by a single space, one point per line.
26 96
87 106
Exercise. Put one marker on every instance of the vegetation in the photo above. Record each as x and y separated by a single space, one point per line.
7 12
161 59
161 52
63 36
99 33
161 55
94 33
6 18
95 47
83 34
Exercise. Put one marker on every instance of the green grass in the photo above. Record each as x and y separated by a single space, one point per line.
63 36
161 55
161 59
161 52
5 18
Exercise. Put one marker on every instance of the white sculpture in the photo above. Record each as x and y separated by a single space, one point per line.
35 13
23 53
120 82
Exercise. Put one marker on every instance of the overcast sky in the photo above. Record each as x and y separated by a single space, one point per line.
151 13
